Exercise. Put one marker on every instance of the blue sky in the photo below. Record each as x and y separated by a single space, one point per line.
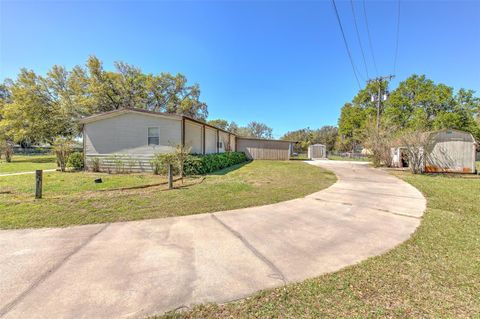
279 62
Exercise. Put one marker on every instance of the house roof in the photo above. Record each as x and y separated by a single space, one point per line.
110 114
468 134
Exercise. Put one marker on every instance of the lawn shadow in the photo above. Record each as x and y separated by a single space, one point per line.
26 159
229 169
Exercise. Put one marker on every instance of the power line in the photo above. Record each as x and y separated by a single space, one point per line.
358 37
346 44
398 33
369 37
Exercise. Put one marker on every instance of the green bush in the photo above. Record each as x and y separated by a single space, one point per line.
160 163
95 164
204 164
75 160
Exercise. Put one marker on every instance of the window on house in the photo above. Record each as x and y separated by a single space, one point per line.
153 136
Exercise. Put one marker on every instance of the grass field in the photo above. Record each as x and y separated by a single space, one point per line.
27 163
74 198
435 274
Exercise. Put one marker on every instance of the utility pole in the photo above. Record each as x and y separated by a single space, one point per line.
379 80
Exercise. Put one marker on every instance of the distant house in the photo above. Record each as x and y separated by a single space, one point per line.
450 151
136 135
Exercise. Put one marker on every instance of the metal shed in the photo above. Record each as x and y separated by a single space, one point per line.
317 151
264 149
452 151
449 151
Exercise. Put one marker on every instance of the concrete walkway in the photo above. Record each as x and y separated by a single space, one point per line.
140 268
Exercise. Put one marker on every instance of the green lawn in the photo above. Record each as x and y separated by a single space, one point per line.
73 198
27 163
435 274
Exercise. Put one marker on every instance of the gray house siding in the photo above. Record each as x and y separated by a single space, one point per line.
126 136
225 143
193 137
210 140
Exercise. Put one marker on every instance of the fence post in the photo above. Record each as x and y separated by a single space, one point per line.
170 176
38 183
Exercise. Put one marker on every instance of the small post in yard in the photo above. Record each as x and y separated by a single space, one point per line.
38 183
170 176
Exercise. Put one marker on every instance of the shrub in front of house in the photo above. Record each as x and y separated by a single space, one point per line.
160 162
204 164
75 160
95 164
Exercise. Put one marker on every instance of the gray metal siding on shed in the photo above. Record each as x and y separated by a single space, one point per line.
453 151
264 149
317 151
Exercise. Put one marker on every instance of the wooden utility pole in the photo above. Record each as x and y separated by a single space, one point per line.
379 81
170 176
38 183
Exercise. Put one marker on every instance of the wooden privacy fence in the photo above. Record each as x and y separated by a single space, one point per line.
264 149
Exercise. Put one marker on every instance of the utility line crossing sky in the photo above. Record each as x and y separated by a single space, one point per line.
279 62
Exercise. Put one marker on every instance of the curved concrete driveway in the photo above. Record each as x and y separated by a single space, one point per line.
134 269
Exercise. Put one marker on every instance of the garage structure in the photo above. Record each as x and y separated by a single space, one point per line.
134 136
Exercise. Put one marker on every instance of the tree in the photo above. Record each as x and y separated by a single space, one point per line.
233 128
182 152
62 147
129 87
35 108
419 145
259 130
379 141
304 137
416 104
38 111
223 124
326 135
351 127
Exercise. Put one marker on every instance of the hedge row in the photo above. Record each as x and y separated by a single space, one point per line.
204 164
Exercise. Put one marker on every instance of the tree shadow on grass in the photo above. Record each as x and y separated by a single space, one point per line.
27 159
229 169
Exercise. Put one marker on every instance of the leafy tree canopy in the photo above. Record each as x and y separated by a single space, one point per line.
325 135
223 124
417 103
253 129
38 108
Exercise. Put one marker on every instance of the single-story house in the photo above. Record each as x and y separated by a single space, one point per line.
136 135
449 151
